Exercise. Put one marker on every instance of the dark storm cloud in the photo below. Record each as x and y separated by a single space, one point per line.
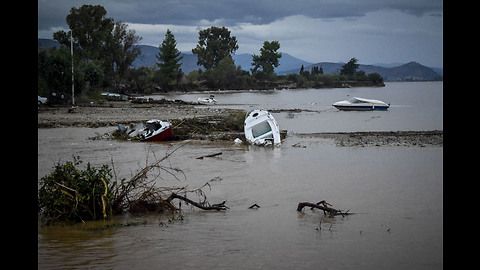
51 13
373 31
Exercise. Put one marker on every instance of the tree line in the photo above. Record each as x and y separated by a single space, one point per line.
104 51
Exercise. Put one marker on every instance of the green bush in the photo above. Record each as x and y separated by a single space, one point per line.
72 194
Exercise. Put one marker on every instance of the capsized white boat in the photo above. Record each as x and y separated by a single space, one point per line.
207 101
261 128
361 104
153 130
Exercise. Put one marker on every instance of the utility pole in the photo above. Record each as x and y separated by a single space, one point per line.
71 52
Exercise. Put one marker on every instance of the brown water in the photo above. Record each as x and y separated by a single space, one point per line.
396 193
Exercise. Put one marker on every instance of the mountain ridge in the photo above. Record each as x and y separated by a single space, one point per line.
411 71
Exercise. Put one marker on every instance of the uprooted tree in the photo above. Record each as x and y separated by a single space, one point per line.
70 194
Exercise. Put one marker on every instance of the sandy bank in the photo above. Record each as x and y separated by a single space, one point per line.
114 113
382 138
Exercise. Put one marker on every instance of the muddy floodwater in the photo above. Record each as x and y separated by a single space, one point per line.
396 193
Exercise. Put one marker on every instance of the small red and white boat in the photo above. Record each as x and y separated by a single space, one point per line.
153 131
156 130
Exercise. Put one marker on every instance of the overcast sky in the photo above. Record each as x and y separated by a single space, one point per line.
373 31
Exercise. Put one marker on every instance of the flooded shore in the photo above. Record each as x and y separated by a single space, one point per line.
93 117
396 192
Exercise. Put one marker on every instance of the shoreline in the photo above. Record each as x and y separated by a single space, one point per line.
193 117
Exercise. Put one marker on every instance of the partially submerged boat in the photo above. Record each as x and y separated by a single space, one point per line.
153 130
261 128
361 104
207 101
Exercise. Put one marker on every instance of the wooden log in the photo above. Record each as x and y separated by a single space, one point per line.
211 155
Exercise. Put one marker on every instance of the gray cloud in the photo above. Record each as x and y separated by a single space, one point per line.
374 31
51 13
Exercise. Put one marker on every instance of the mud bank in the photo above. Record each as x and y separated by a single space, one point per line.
114 113
382 138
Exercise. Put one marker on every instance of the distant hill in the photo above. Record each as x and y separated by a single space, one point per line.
189 61
288 64
411 71
44 44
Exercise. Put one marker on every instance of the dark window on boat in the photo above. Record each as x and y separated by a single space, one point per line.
354 100
153 126
260 129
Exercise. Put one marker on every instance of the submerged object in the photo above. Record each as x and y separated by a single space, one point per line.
261 128
153 130
361 104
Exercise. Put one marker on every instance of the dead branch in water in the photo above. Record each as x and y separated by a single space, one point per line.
254 206
211 155
139 192
218 207
72 194
141 195
323 205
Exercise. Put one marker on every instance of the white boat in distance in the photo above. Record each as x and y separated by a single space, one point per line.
207 101
361 104
261 128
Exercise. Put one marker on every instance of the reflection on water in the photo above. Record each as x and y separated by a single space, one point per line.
396 193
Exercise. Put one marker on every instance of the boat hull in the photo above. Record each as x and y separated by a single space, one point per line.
160 136
361 108
361 104
261 128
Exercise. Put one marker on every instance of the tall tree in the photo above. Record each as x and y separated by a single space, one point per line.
268 58
54 68
91 31
350 67
214 44
168 59
123 47
99 39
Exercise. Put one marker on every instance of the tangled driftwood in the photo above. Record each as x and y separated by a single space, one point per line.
140 194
